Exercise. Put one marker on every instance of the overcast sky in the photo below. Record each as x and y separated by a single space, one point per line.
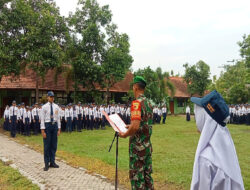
169 33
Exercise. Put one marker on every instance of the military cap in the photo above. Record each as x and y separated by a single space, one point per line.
139 79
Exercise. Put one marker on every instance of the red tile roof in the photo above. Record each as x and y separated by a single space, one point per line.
180 87
28 81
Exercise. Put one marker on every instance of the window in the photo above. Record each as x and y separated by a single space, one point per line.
181 102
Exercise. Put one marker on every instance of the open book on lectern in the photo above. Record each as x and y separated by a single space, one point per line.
116 122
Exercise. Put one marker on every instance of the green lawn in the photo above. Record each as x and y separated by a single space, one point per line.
174 146
11 179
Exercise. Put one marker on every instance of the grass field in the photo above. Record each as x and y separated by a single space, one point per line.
174 146
11 179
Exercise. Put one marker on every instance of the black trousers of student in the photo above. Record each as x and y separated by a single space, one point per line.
87 122
188 116
158 119
63 124
74 123
50 142
91 123
248 119
6 124
20 126
13 126
69 124
103 121
154 118
164 117
83 122
27 127
97 123
36 125
79 122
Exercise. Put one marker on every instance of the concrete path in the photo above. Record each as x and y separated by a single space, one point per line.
30 164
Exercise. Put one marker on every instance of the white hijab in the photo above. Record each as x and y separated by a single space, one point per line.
218 137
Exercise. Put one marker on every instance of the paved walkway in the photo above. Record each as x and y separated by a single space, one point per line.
30 164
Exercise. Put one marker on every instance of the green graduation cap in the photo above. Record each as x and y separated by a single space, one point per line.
139 79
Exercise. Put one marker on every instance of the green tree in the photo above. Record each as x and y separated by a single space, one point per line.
117 60
197 77
88 26
232 83
12 55
158 84
37 33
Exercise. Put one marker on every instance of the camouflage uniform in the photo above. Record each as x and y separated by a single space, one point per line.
140 147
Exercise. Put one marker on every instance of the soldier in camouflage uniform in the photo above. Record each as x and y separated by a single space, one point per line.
140 131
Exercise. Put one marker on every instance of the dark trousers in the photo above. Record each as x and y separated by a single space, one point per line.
87 122
27 127
69 124
164 117
188 117
248 119
13 125
36 125
63 124
91 125
103 122
50 143
83 122
6 124
79 122
154 118
74 123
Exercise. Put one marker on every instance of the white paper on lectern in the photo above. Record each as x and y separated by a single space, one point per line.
118 122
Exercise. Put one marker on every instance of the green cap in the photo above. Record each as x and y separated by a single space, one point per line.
139 79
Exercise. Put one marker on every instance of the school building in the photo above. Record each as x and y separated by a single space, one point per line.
22 89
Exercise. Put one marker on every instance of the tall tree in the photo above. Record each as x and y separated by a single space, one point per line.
197 77
232 83
12 55
158 84
88 24
37 34
117 61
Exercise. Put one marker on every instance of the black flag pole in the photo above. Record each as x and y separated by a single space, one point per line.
116 136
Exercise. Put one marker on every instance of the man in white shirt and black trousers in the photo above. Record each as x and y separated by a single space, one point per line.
50 128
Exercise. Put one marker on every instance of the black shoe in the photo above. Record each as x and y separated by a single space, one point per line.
54 165
46 168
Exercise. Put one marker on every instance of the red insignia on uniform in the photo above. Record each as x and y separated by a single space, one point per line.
136 110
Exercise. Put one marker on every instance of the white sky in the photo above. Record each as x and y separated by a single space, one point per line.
170 33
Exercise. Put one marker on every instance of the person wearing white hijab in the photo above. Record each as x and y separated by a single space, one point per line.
216 165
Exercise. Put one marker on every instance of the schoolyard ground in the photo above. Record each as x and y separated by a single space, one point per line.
174 146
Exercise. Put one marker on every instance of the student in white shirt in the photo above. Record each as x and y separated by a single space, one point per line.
6 117
51 128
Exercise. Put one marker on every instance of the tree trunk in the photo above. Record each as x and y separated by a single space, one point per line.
37 89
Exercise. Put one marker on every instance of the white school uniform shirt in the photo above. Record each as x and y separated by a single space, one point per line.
95 113
164 110
117 109
74 113
159 112
112 109
19 117
26 114
77 108
35 112
107 110
15 110
216 165
90 112
45 114
155 110
21 110
6 113
128 111
62 113
86 111
101 110
188 109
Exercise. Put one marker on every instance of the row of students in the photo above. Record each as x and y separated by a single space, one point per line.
240 114
24 120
